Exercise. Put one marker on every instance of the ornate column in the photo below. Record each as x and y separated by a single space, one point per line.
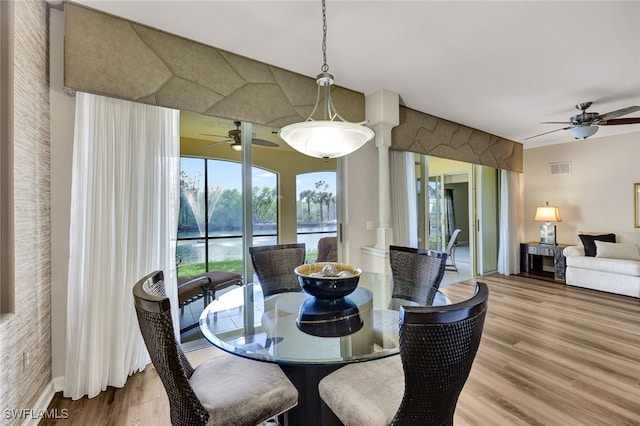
382 113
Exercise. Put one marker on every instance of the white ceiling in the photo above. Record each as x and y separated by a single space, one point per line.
501 67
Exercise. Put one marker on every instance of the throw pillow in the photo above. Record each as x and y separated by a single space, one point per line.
617 250
588 241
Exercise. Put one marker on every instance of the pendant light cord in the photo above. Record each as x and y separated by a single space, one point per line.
332 136
325 67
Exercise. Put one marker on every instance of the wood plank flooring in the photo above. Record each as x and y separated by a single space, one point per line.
550 355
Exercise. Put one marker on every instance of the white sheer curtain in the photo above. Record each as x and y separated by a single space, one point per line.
404 211
509 251
125 200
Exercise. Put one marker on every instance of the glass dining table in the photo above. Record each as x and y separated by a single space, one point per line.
308 337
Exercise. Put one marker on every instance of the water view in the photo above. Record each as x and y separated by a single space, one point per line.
210 220
225 247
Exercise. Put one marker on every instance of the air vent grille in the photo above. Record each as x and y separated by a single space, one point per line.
563 168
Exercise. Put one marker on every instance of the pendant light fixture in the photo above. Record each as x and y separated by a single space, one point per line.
333 136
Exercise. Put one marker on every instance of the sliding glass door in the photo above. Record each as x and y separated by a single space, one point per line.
486 219
210 220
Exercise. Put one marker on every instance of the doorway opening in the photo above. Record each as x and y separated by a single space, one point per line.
454 195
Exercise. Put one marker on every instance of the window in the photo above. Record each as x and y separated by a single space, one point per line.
316 210
210 221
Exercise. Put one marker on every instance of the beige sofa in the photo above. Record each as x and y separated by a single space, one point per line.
614 269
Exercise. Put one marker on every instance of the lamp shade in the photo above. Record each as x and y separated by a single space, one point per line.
548 214
583 132
236 146
326 139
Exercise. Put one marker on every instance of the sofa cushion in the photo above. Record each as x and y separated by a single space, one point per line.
615 266
573 251
628 237
588 241
617 250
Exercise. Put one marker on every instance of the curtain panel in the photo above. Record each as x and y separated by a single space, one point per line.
125 199
404 209
510 212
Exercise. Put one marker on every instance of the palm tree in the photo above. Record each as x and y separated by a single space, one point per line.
307 195
330 198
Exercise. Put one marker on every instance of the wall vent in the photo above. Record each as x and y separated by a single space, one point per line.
563 168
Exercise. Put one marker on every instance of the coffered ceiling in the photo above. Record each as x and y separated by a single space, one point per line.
501 67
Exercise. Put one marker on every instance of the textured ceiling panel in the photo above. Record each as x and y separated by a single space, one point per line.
111 56
426 134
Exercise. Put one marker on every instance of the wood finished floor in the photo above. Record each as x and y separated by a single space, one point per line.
550 355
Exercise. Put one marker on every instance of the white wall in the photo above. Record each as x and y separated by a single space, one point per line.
360 184
597 196
62 122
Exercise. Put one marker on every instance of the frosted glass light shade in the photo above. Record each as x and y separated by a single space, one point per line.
236 146
583 132
548 214
326 139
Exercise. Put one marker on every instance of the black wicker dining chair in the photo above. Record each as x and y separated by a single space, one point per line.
223 390
421 386
416 272
274 266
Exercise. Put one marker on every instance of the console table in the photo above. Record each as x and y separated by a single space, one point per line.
532 256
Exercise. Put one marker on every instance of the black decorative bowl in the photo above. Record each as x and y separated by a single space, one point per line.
329 318
328 287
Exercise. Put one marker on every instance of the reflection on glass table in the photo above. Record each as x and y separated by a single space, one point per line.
295 328
307 337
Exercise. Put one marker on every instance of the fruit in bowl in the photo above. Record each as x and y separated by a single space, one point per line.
328 280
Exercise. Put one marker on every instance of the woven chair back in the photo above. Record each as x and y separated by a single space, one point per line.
154 317
416 273
437 346
327 249
274 266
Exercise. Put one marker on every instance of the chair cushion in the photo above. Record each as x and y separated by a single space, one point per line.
194 289
197 285
223 279
236 390
365 393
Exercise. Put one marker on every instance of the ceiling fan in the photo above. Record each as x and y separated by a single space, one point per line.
586 123
234 136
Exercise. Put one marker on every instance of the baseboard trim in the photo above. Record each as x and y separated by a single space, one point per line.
41 405
58 383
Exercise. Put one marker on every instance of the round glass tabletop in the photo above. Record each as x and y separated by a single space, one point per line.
296 328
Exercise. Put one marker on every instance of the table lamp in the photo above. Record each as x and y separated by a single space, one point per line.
548 214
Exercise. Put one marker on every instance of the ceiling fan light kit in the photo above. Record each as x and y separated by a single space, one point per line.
334 136
583 132
586 123
234 136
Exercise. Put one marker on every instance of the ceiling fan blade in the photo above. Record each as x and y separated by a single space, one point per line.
555 122
262 142
218 143
218 136
546 133
617 113
617 121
